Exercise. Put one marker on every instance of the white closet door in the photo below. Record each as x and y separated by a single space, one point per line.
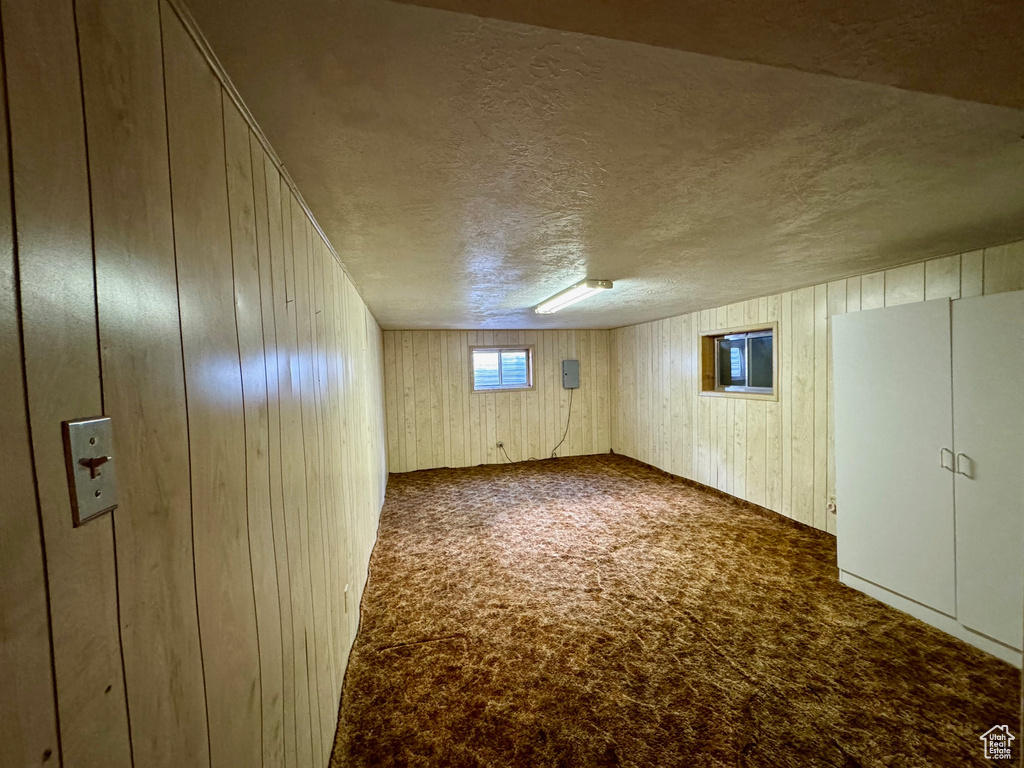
988 414
893 416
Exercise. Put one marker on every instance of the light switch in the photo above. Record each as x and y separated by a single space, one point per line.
89 454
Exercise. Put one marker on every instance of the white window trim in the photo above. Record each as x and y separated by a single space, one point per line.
531 362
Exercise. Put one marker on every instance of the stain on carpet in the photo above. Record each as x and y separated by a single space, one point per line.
595 612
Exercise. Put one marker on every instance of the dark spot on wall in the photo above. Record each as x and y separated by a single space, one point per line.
47 754
108 689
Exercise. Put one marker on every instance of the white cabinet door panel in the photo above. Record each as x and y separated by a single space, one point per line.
893 415
988 392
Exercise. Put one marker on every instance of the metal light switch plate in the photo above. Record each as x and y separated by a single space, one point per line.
89 453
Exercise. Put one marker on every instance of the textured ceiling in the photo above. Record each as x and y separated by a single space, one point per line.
968 49
467 168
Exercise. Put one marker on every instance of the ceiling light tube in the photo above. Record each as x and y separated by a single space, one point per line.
572 294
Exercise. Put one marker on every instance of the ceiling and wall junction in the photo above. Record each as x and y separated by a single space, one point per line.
466 168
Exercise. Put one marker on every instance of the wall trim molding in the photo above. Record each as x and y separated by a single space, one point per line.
739 501
845 276
192 27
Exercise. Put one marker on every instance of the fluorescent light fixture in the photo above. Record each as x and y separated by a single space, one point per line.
572 294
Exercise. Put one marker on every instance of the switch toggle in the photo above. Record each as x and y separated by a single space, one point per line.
88 449
95 464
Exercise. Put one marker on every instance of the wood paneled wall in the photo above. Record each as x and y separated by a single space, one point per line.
157 266
435 420
779 453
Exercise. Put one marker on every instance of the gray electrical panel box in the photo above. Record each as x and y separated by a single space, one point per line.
570 374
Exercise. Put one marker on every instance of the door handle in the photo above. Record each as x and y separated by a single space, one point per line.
942 459
969 474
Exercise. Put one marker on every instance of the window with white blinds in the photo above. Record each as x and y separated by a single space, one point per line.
498 368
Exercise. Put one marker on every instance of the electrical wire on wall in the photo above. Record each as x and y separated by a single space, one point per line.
567 417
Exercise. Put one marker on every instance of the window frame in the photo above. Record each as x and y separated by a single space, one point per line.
531 361
708 380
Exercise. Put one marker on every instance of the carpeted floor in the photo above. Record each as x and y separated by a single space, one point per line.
596 612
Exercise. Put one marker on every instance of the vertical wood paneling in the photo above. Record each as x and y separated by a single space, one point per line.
853 294
678 385
445 394
59 332
311 522
421 405
837 305
777 453
563 351
703 416
773 423
720 426
308 496
904 285
408 394
28 722
249 322
657 421
942 278
170 277
582 426
329 511
334 509
872 290
615 364
433 406
266 188
665 392
224 587
802 382
1002 270
436 394
474 401
390 396
642 365
821 358
756 452
348 513
143 381
463 362
738 449
972 274
786 397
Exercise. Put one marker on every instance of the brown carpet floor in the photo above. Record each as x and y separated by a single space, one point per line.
595 611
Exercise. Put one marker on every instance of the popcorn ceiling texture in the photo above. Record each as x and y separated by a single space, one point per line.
466 169
968 49
595 611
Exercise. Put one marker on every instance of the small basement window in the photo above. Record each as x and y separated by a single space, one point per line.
740 363
502 368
